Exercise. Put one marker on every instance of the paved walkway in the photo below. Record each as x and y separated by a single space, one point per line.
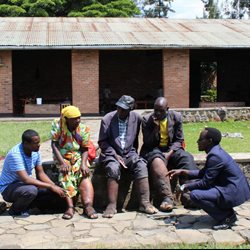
127 229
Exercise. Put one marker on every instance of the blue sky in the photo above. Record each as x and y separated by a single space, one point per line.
186 9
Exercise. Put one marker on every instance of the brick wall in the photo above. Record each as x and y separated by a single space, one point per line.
6 99
176 77
85 80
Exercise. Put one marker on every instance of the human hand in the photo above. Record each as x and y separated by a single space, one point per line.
58 190
64 168
85 170
156 121
121 161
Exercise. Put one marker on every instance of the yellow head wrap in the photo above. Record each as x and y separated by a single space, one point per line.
71 112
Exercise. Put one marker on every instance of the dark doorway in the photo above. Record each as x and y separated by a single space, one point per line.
229 82
41 73
136 73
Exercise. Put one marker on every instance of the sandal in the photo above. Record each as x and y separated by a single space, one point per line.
90 212
67 215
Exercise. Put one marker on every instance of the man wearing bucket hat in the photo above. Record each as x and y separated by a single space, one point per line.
118 141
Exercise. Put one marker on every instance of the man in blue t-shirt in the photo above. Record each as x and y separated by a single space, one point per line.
16 182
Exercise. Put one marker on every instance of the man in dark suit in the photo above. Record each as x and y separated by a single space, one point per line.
118 141
163 148
221 184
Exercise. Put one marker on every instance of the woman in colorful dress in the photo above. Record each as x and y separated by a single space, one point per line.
70 142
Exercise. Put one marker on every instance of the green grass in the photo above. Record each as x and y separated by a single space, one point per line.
231 145
11 132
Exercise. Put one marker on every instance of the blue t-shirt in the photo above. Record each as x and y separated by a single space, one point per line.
17 160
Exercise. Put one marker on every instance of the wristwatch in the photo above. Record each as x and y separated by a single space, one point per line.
182 187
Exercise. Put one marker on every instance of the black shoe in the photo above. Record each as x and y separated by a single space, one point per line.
23 214
226 223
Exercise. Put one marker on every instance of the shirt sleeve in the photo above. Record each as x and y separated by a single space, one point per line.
16 162
55 131
85 134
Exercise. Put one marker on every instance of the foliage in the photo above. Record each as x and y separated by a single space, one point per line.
90 8
155 8
212 9
233 9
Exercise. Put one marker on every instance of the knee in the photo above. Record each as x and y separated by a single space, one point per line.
113 172
194 196
31 192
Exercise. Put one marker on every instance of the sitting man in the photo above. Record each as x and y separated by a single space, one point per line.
17 184
70 142
118 141
163 149
221 184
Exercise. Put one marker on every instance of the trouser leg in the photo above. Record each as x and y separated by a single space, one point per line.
208 201
21 196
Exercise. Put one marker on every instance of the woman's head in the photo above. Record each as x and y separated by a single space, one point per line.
72 116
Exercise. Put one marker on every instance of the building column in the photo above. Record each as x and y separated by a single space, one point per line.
85 80
6 95
176 77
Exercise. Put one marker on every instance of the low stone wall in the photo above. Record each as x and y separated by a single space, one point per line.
212 114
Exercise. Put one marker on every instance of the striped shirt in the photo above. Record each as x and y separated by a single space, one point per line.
17 160
123 126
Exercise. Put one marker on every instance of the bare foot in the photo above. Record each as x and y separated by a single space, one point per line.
110 211
148 208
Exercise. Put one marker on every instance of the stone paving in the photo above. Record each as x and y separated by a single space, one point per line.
124 230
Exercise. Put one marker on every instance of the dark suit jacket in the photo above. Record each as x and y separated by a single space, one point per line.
151 132
223 173
109 140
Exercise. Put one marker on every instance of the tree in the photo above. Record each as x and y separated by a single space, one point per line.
235 9
155 8
46 8
212 10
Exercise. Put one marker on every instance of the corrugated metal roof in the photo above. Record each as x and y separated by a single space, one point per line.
115 33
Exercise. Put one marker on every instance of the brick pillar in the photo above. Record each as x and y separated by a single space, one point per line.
6 97
176 77
85 80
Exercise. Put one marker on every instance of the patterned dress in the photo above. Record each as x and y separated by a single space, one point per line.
69 147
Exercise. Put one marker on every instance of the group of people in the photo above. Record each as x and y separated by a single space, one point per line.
216 188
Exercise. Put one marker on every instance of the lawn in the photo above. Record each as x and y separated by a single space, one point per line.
232 145
10 134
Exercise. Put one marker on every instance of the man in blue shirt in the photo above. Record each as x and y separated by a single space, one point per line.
16 182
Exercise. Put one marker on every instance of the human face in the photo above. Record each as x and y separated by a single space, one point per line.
160 112
34 145
203 142
122 113
73 123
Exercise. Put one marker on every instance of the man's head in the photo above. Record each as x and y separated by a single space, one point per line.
72 116
209 137
160 108
124 105
30 141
